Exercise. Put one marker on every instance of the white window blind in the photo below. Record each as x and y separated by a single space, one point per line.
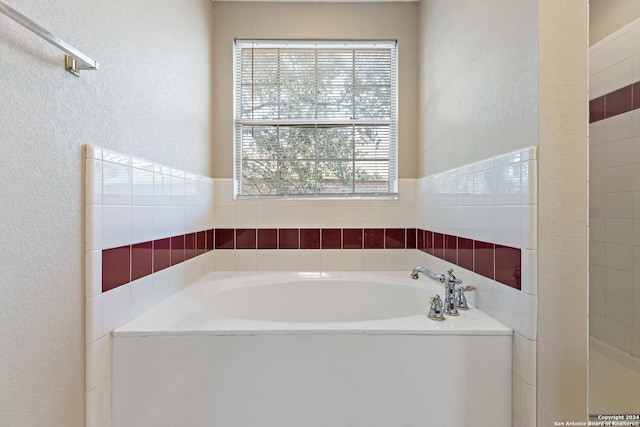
315 118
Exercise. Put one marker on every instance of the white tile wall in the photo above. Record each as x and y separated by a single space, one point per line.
495 200
497 205
614 232
131 200
613 62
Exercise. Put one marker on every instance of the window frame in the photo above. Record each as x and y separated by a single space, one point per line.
393 173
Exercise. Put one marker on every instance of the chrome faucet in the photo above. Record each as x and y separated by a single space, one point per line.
450 281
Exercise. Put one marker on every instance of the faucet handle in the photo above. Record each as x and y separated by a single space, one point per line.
461 299
451 278
435 312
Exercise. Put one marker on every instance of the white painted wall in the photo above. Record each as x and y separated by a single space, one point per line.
478 81
150 98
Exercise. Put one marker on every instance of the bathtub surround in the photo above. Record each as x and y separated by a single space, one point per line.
614 312
148 235
302 349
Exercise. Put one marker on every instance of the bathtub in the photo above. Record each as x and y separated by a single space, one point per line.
309 350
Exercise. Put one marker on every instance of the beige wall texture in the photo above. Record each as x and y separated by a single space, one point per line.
314 20
608 16
562 212
151 97
478 80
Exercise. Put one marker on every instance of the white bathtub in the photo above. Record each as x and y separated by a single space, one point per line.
310 350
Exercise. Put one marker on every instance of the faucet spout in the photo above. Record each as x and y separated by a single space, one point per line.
415 274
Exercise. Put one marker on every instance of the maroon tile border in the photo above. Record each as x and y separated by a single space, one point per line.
288 238
177 249
127 263
189 245
438 245
331 238
500 263
421 240
352 238
465 253
483 259
309 238
508 269
246 238
451 249
141 260
201 242
116 267
428 242
225 238
411 238
161 254
268 238
617 102
395 238
596 109
209 240
374 238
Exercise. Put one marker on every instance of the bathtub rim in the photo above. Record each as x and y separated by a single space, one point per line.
175 315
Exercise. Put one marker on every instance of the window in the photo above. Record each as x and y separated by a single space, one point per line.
315 118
